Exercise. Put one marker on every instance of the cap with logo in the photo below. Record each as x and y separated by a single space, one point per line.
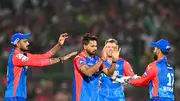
162 44
19 36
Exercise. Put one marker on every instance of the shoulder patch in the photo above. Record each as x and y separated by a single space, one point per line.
81 61
145 74
22 57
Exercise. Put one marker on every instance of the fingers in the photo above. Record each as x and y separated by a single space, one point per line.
74 53
136 77
71 54
119 50
64 35
104 54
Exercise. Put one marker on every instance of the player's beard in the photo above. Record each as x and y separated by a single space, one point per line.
23 49
91 53
155 57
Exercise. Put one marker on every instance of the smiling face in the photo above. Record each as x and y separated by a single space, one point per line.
110 47
23 45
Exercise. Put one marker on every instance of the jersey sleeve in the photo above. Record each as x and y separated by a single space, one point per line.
128 71
46 55
22 60
79 62
148 75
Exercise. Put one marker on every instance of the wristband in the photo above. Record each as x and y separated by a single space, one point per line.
61 60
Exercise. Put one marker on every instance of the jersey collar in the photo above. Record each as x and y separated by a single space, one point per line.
161 58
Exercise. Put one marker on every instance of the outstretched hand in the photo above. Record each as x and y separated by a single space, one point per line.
66 57
135 77
123 80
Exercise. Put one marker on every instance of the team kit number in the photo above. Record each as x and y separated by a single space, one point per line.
169 87
170 79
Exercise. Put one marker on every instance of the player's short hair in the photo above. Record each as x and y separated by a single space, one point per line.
87 37
111 40
164 53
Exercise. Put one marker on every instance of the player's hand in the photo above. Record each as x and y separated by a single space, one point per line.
115 74
104 53
62 38
66 57
115 54
123 80
135 77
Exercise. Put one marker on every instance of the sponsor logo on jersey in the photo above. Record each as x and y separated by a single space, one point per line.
169 67
90 64
168 89
22 57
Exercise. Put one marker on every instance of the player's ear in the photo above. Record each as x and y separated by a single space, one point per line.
84 46
158 51
17 44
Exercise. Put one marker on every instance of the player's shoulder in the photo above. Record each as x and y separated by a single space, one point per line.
79 57
122 59
20 56
152 65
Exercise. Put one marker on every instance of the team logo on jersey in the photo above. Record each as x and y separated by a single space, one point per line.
169 66
16 41
22 57
145 74
90 64
81 62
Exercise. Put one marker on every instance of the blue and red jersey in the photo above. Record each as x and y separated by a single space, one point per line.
17 71
85 88
110 91
159 76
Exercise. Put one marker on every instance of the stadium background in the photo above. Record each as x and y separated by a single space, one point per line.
134 23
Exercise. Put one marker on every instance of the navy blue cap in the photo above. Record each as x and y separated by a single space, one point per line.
17 37
162 44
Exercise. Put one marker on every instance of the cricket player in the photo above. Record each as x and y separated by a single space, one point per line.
87 70
159 75
20 59
109 89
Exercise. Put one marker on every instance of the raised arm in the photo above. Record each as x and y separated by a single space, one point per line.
115 57
22 60
52 51
149 74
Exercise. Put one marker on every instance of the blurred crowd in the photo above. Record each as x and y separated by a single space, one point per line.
134 23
